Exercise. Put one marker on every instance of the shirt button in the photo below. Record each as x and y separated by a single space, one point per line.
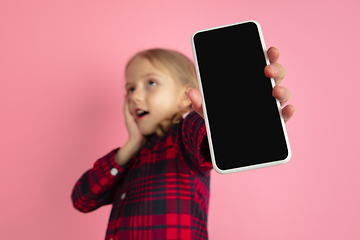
123 196
114 171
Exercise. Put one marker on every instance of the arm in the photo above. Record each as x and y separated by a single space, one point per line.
195 141
97 186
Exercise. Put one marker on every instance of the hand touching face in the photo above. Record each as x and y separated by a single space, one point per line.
153 95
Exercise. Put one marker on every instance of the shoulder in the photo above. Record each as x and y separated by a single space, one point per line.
190 129
193 122
190 125
189 122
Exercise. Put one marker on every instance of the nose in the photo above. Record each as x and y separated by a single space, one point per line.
137 95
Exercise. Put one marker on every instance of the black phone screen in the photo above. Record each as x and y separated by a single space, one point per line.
243 116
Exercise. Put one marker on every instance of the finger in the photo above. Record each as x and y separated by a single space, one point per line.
282 94
288 112
275 71
196 100
126 106
273 54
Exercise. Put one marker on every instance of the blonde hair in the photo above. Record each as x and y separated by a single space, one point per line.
180 67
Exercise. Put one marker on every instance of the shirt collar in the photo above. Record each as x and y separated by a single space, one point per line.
184 115
155 136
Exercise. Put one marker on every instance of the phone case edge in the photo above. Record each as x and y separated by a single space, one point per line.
252 167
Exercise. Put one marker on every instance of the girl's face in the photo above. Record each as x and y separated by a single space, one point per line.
153 95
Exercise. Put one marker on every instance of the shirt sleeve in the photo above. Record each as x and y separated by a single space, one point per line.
195 141
97 186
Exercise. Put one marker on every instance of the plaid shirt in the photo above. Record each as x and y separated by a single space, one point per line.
162 193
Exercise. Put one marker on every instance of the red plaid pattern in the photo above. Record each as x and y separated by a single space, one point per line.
162 193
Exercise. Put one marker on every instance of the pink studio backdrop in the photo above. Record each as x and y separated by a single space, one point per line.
62 88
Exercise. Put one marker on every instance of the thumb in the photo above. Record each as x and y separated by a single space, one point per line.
196 100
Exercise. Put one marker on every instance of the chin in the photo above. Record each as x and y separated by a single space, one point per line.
148 133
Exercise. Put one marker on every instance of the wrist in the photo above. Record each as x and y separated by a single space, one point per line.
136 142
127 152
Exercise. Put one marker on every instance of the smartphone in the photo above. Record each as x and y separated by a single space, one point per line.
244 124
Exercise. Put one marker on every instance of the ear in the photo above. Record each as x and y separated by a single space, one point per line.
185 100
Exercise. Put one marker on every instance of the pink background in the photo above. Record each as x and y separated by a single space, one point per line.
62 88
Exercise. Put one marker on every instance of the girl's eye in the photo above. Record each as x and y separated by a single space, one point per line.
151 83
130 90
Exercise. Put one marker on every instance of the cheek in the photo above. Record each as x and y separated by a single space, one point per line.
158 103
157 98
163 100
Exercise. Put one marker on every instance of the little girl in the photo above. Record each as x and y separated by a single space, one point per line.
158 182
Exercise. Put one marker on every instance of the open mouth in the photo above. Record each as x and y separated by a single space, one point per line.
141 113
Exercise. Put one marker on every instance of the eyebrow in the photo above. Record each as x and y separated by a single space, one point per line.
144 76
149 74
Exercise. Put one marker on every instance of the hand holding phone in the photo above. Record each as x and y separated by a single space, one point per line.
243 132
